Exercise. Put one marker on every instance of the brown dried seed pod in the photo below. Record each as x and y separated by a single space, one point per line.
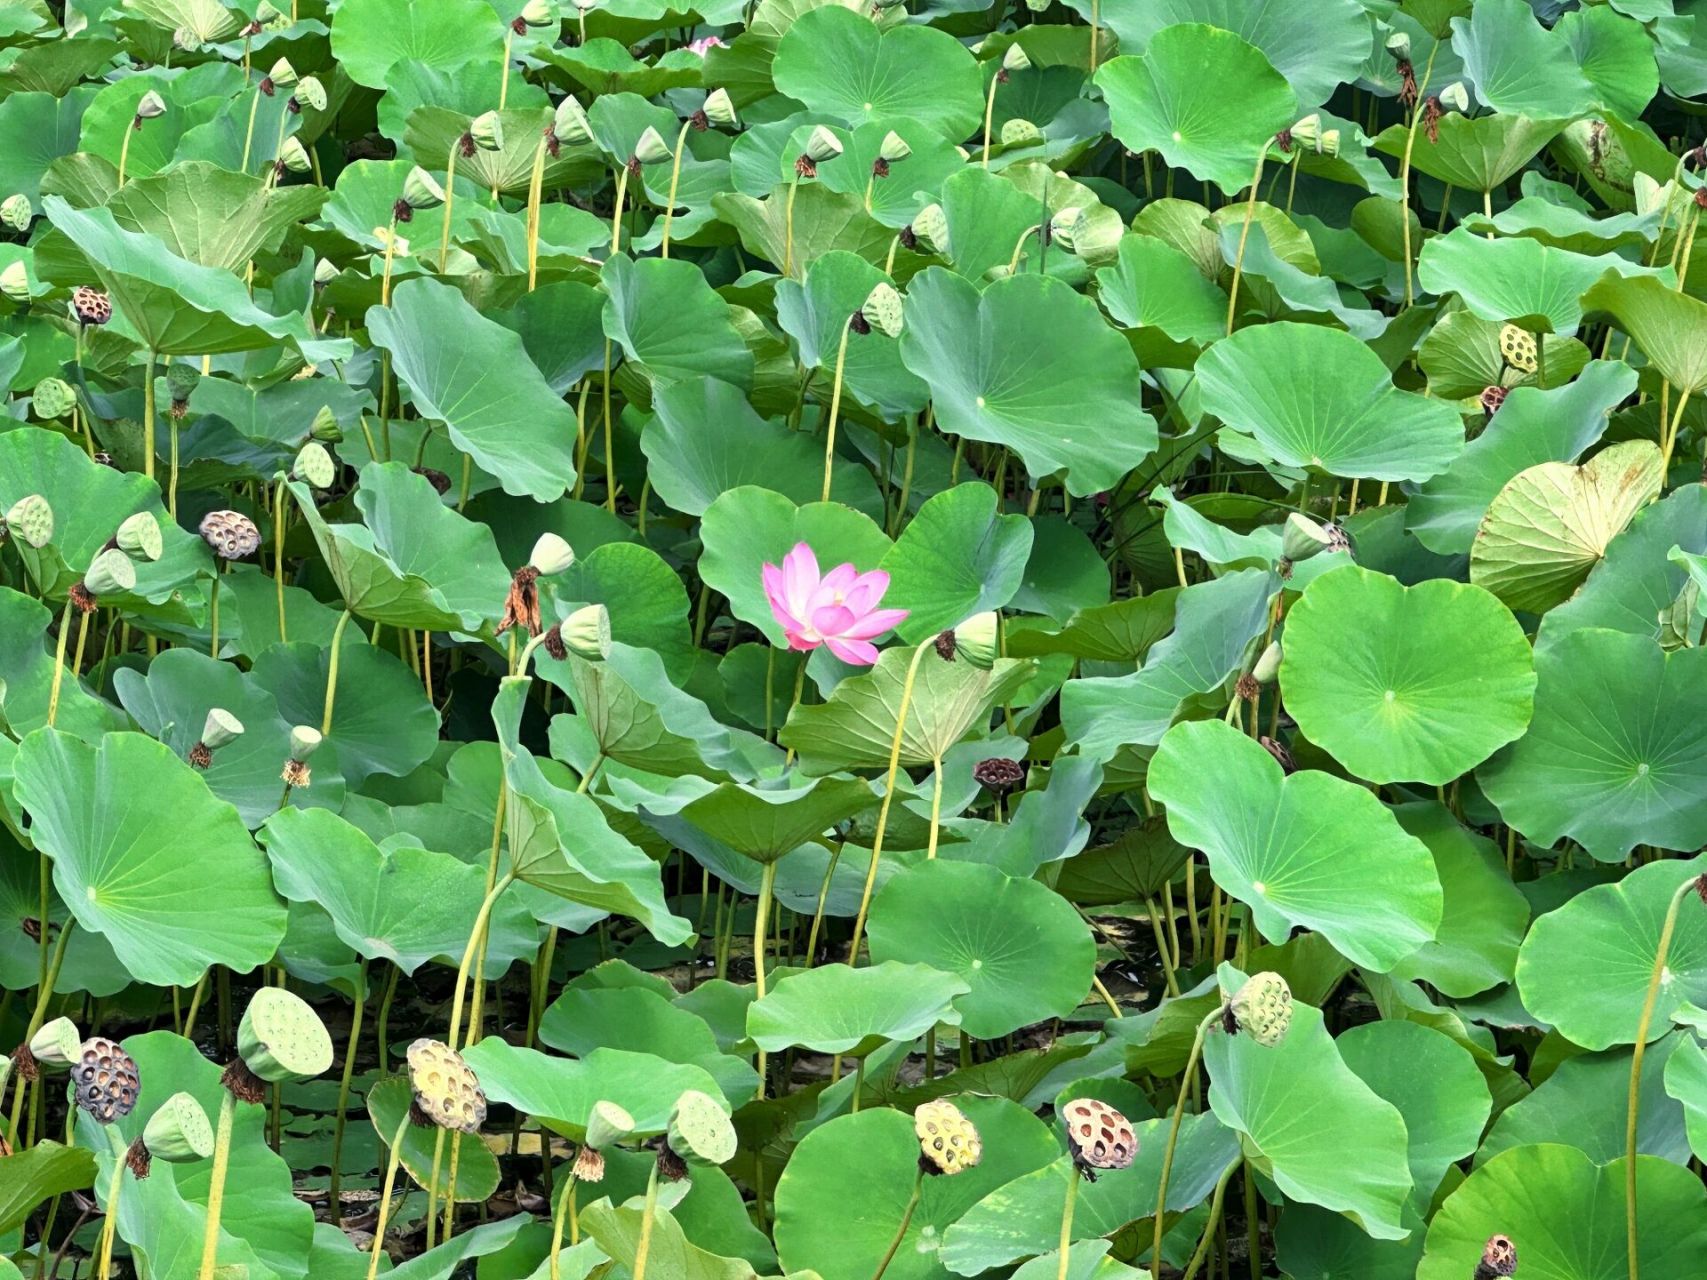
1492 398
90 306
445 1087
948 1141
1498 1260
106 1080
999 774
1099 1136
231 534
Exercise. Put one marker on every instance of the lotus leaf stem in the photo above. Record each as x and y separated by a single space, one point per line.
52 715
333 1188
835 406
989 117
936 808
1186 1079
1244 236
450 203
1216 1203
1405 174
610 446
565 1210
761 922
616 214
536 192
906 1221
104 1252
647 1214
332 672
1065 1247
216 1187
385 1195
675 180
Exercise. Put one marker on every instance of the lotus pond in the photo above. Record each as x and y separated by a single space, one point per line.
853 639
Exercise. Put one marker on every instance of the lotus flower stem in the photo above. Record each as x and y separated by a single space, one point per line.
385 297
1671 432
504 75
1253 1224
906 1221
216 1188
39 1016
1162 948
1096 32
616 213
332 1190
384 1196
761 923
823 896
116 1185
450 1185
213 618
278 552
1688 247
450 199
1405 173
53 709
1692 885
1215 1205
788 227
1019 246
332 672
1066 1242
148 417
936 808
888 794
124 151
480 921
565 1211
1186 1079
1244 235
249 133
644 1246
835 406
675 180
989 118
1488 208
536 192
610 446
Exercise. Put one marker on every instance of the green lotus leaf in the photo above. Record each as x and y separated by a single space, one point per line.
603 65
1172 100
1222 549
213 216
1123 631
193 96
1294 1102
474 376
560 324
1313 1241
768 823
617 1232
1157 293
113 817
1571 229
1374 673
814 312
1585 966
36 1175
369 37
667 319
634 1019
26 675
1551 524
825 221
1030 365
359 210
37 129
957 557
1473 153
1517 66
839 62
88 965
897 198
560 1093
835 1009
1686 1081
1585 1103
1294 290
476 1168
1576 1231
1517 280
1668 325
1307 849
1461 357
1319 398
841 1199
432 132
1022 950
1139 864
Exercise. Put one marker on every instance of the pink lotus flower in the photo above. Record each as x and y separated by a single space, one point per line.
838 609
705 44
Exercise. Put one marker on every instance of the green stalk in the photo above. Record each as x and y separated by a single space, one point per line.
906 1221
616 214
213 616
936 808
216 1189
565 1209
1067 1222
1173 1130
53 714
761 922
39 1016
148 416
675 179
110 1226
450 202
788 232
1405 173
1215 1204
835 406
644 1247
332 673
249 133
1244 235
989 117
278 552
536 191
332 1194
385 1196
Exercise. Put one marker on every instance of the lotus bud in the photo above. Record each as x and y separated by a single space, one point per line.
1399 46
1268 665
1020 133
313 466
652 149
1064 226
1498 1260
325 271
822 145
110 573
446 1092
700 1130
139 537
1098 1136
282 1039
178 1133
325 426
487 130
30 521
16 212
105 1079
421 190
1014 59
1262 1009
220 729
539 13
607 1124
1302 537
57 1045
584 633
1455 97
570 123
282 76
309 93
52 398
948 1141
293 156
930 229
151 106
1306 132
551 554
15 281
720 110
893 149
976 640
90 306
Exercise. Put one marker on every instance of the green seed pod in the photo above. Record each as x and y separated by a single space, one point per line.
652 149
976 640
57 1045
151 106
325 426
325 271
1064 226
1268 665
700 1129
16 212
569 123
182 378
539 13
551 554
15 281
421 190
720 110
294 156
1014 59
220 729
607 1124
30 521
822 145
930 229
1330 144
1455 97
314 466
948 1141
304 741
445 1087
1262 1009
52 398
139 537
178 1132
1307 132
110 573
487 130
882 310
281 1038
1020 133
1302 538
310 93
283 75
1399 45
586 633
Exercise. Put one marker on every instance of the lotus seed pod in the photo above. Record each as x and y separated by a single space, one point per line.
999 774
1330 143
1064 226
90 306
231 534
304 741
139 537
930 229
283 75
1455 97
30 521
16 212
539 13
110 573
57 1045
893 149
1307 132
1517 348
1020 133
700 1129
314 466
652 149
281 1038
487 130
1014 59
1302 537
977 639
220 729
151 106
882 310
294 157
310 93
569 123
325 271
179 1132
1098 1136
421 190
1498 1260
822 145
1399 45
52 398
445 1087
15 281
720 110
1262 1008
586 633
105 1080
948 1141
325 426
607 1124
182 378
551 554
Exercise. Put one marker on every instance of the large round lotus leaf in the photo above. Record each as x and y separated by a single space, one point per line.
845 1189
1022 949
835 1009
1585 967
1374 672
561 1093
1296 1103
1585 1104
1551 523
1566 227
1316 397
1517 66
476 1167
1616 755
369 37
132 831
1474 153
1307 850
816 310
213 216
663 315
837 61
1309 1241
767 823
1670 327
1566 1215
1029 364
1686 1081
1176 100
957 557
26 667
1157 293
641 1020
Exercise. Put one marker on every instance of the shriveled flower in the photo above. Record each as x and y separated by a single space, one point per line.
106 1080
1098 1136
948 1141
1498 1260
837 609
231 534
1277 749
304 741
1262 1009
